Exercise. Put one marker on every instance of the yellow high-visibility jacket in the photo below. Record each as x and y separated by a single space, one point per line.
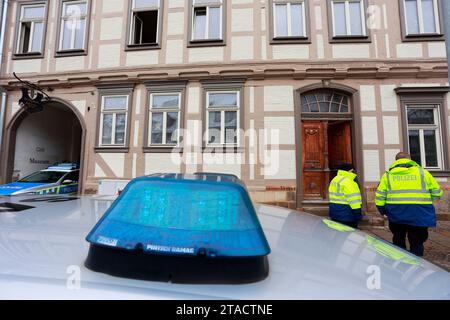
406 193
345 197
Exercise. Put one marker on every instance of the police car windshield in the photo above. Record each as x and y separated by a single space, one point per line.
44 177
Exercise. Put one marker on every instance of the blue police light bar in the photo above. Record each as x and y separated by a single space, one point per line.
199 228
64 166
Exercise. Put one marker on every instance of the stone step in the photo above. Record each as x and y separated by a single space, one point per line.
321 211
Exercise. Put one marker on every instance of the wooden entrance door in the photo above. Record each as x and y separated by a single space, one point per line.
339 145
313 155
325 146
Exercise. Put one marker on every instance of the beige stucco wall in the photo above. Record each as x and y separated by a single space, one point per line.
274 72
246 39
268 104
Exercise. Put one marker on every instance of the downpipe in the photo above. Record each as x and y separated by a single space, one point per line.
4 12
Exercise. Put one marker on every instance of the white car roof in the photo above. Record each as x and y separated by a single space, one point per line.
43 248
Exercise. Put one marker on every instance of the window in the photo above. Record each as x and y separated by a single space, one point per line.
113 120
223 117
289 19
348 18
324 102
73 28
164 119
31 28
207 20
424 136
421 18
145 25
73 176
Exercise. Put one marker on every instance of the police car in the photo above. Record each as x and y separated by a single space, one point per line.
196 236
58 179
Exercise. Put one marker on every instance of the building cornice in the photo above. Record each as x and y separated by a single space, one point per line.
370 69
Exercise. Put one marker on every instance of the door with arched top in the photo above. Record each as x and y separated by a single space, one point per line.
326 128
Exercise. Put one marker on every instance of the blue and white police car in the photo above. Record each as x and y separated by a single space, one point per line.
58 179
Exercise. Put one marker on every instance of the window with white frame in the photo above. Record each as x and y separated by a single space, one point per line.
31 28
424 135
164 119
223 117
73 25
289 19
145 22
207 17
421 17
348 18
113 120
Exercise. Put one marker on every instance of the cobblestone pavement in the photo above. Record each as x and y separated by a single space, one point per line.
437 248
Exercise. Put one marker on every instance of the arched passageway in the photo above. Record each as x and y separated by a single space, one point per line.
38 140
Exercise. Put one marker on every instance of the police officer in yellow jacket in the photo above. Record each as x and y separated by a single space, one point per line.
345 197
405 195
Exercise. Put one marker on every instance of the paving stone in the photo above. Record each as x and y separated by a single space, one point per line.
437 248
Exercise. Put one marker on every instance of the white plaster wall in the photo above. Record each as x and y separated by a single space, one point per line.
241 1
191 159
142 58
318 16
242 20
176 3
290 52
389 157
278 98
193 100
371 165
98 172
223 163
279 164
115 161
242 48
368 102
162 163
264 47
193 135
391 130
285 126
80 105
351 51
113 5
320 46
263 19
409 50
174 52
69 63
388 98
207 54
111 28
251 106
369 130
109 55
437 50
27 66
175 23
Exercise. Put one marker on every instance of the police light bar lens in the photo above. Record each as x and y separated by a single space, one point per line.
183 216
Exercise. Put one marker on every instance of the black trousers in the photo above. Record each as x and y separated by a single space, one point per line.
416 237
353 224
